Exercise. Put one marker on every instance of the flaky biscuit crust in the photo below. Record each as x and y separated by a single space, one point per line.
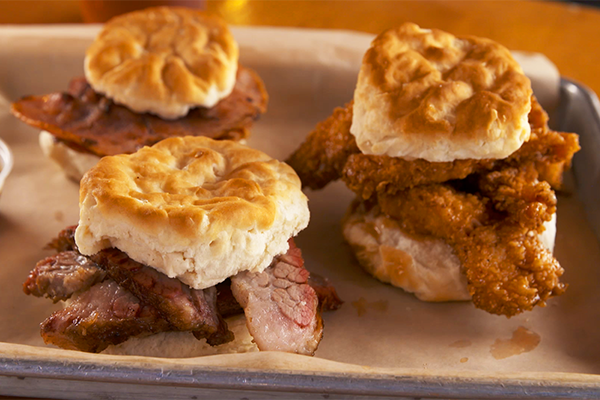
163 60
193 208
428 94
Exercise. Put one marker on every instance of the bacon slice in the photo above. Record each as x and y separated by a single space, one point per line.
89 122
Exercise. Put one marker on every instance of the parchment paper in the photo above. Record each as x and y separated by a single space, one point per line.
379 329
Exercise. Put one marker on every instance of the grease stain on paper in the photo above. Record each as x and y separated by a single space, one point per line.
459 344
362 305
522 341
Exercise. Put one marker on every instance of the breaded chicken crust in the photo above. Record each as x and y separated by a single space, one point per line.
490 212
330 153
324 153
493 231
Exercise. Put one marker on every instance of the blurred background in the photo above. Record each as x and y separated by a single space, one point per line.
244 11
566 32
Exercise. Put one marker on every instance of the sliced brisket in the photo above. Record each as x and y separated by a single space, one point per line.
65 240
184 308
103 315
281 308
328 297
174 303
115 297
226 302
59 276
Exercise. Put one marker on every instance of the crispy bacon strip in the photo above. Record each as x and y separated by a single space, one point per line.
89 122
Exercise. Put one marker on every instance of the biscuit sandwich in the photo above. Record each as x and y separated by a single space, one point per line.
453 166
173 239
149 75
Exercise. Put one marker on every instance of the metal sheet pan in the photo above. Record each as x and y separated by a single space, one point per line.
579 111
27 371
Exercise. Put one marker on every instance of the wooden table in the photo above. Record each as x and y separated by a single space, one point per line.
568 34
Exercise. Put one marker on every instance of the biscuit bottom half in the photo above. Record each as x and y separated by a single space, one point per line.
425 266
72 162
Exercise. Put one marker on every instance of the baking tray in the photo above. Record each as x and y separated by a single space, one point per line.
382 343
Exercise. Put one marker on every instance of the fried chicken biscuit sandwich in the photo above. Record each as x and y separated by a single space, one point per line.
453 164
176 237
149 75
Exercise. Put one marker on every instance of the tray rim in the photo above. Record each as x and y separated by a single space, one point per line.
406 383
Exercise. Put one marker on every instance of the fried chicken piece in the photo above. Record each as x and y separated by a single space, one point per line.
321 158
493 232
552 172
518 193
508 270
330 152
367 175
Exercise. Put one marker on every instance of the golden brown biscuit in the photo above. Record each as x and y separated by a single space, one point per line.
163 60
427 94
193 208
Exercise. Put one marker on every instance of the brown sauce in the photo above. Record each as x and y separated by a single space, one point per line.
522 341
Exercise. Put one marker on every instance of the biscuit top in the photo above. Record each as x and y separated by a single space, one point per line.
427 94
194 208
163 60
